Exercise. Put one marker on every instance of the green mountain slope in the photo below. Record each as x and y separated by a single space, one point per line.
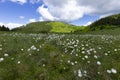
106 23
47 26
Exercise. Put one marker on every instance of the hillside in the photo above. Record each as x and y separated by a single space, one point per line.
106 23
46 27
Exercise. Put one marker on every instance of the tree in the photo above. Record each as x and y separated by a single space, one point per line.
3 28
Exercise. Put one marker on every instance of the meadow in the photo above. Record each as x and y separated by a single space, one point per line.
59 56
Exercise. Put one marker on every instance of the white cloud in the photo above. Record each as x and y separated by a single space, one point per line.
70 10
32 20
67 10
21 17
11 25
34 1
88 23
45 13
19 1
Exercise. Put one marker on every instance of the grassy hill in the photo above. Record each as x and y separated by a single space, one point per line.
47 26
109 22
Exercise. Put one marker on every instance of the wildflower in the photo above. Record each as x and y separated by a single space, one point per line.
22 49
98 63
95 57
0 49
79 73
68 61
72 63
99 48
76 55
1 59
86 57
76 62
18 62
109 71
83 52
88 61
115 50
106 54
33 47
6 55
43 65
98 72
113 71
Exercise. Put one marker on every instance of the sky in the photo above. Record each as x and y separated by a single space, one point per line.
15 13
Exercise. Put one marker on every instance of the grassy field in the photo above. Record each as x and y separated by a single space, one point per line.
59 56
48 27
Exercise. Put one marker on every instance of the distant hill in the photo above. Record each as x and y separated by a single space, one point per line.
47 26
106 23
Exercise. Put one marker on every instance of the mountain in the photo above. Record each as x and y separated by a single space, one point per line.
106 23
47 26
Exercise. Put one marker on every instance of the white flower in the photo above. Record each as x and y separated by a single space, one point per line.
98 72
106 54
18 62
83 58
85 72
83 48
115 49
72 63
99 48
0 49
95 51
79 73
28 50
12 58
68 61
86 44
88 61
109 71
76 62
108 51
1 59
98 63
91 49
83 52
43 65
86 57
114 71
95 57
6 55
38 50
76 55
33 47
22 49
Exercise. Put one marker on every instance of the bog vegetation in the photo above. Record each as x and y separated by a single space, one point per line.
26 53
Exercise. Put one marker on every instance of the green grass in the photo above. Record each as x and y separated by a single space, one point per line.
60 56
48 27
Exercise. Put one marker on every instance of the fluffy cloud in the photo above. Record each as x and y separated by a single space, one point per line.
19 1
70 10
32 20
34 1
21 17
24 1
11 25
88 23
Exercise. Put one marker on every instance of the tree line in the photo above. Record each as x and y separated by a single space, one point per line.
4 28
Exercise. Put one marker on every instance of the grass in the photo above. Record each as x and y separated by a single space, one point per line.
48 26
90 56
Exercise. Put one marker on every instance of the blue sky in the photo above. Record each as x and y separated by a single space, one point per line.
11 12
78 12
